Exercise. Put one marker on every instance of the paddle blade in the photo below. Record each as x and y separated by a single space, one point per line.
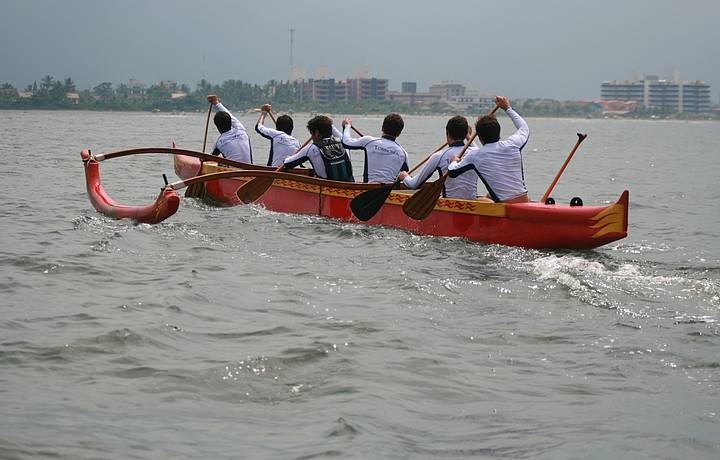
195 191
367 204
422 202
254 189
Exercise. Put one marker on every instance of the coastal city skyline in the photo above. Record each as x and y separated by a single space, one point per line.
548 51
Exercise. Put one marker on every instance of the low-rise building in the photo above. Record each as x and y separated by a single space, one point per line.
415 99
447 89
73 97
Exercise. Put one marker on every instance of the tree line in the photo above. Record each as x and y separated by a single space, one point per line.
237 95
169 96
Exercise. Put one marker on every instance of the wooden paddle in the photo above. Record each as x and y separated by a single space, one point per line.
581 137
422 202
207 123
367 204
198 190
255 187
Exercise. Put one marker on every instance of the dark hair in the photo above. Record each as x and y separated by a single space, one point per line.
222 121
322 124
393 125
488 129
457 128
284 123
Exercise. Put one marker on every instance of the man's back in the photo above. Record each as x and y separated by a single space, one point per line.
384 158
235 143
499 164
282 145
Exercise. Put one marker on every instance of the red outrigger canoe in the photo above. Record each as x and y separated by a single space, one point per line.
530 225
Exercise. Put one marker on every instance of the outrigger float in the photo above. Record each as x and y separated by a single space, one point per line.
217 180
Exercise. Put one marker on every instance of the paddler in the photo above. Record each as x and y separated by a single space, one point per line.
497 163
282 144
384 157
326 154
462 186
234 142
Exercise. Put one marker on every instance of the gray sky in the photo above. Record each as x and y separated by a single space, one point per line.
521 48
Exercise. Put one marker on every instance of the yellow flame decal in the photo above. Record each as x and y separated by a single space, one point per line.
610 220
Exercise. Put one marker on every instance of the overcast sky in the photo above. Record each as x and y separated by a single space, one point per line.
521 48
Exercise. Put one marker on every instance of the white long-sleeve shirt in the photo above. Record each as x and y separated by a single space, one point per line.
463 186
233 144
384 158
498 164
282 145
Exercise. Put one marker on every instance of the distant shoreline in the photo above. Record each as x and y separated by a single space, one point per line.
376 114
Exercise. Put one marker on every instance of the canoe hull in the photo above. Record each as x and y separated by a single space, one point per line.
530 225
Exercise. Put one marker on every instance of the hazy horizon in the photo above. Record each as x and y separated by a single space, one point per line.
554 49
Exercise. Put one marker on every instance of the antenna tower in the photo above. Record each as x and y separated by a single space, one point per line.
292 43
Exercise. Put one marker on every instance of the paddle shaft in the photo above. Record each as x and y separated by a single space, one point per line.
207 124
581 137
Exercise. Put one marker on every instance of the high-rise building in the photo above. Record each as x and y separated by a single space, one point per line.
651 92
622 91
662 95
352 89
696 97
409 87
361 89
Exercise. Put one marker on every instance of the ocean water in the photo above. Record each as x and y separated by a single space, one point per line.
244 333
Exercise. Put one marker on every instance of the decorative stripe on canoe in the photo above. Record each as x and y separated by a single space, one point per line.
610 220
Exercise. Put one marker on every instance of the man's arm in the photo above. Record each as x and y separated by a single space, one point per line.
466 163
261 129
263 112
336 132
300 157
348 140
520 137
427 170
214 100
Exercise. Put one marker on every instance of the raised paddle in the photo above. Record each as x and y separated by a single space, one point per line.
581 137
207 123
255 187
198 190
421 203
367 204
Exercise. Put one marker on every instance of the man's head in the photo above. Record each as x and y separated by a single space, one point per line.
320 127
284 123
223 122
457 128
488 129
393 125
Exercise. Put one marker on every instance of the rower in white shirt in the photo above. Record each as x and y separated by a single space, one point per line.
497 163
234 142
326 154
462 186
282 144
384 157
